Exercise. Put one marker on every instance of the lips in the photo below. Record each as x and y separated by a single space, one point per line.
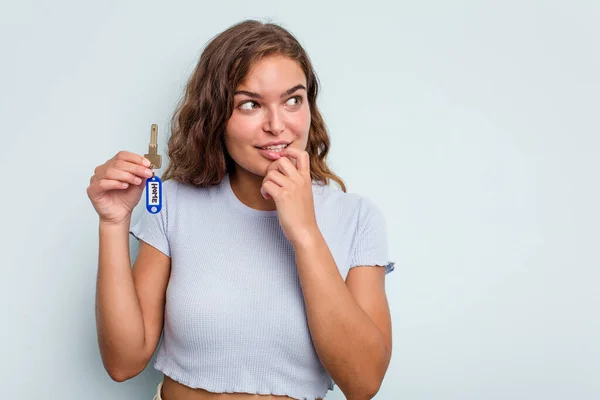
270 154
274 144
273 154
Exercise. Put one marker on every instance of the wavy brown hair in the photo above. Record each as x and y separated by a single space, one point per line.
196 150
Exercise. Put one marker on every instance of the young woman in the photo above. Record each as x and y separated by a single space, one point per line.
264 279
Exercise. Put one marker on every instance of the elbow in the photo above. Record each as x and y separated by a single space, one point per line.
120 375
364 391
121 367
367 388
373 391
366 394
379 372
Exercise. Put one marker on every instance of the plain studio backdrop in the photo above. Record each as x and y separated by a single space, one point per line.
473 125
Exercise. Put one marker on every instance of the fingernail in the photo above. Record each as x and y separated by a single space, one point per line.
147 162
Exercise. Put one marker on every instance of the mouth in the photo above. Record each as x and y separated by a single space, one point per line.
272 152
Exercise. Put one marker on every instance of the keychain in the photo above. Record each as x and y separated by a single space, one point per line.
154 184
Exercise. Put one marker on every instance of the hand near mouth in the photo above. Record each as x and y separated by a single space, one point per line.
288 182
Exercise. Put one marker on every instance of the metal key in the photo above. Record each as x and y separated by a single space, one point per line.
152 155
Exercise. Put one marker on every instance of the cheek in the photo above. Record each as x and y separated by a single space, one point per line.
241 127
235 129
238 139
302 122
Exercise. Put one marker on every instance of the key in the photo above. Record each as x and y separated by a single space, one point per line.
154 184
152 155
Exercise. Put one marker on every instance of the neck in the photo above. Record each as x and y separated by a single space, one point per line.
246 187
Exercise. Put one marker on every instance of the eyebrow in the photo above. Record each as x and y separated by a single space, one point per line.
258 96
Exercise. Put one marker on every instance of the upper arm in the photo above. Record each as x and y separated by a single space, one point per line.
151 271
367 285
369 264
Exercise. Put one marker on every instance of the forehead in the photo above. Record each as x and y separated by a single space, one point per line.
276 73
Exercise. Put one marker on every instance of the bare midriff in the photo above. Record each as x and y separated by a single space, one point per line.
173 390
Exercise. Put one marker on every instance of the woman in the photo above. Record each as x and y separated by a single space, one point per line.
258 269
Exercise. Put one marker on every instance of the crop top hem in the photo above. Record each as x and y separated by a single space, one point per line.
202 383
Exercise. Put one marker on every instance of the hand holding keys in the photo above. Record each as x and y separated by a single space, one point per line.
116 185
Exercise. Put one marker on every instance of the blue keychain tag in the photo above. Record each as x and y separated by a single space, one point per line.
153 194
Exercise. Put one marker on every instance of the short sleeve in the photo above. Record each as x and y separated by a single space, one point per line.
371 239
152 228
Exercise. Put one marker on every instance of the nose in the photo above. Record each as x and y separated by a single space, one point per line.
274 122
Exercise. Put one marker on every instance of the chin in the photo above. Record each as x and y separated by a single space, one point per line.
259 168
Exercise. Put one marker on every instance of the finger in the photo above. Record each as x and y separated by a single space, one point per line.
271 190
132 157
111 184
132 168
97 189
301 157
276 177
273 167
285 166
123 176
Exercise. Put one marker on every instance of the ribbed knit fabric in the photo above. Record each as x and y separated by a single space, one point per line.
235 317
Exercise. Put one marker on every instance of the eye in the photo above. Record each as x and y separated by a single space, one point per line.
244 107
298 100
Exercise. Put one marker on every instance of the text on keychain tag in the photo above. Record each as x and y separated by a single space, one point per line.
154 184
153 194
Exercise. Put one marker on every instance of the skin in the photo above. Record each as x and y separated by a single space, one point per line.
255 122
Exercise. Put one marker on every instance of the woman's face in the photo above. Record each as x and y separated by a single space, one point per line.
270 106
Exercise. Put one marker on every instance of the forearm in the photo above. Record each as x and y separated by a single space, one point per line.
119 321
348 343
